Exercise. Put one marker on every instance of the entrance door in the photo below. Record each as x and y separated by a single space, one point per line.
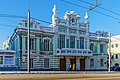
82 64
72 64
31 63
63 64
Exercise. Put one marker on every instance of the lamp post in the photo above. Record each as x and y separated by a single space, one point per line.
109 53
28 55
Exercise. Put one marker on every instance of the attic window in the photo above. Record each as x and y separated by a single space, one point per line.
73 20
25 24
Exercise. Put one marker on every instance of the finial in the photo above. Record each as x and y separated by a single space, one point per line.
54 9
86 16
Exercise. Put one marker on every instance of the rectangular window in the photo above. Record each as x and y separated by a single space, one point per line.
26 24
91 62
91 46
32 41
116 45
86 44
31 25
112 57
1 59
39 44
101 48
101 62
62 41
9 60
46 63
116 56
81 42
72 41
46 44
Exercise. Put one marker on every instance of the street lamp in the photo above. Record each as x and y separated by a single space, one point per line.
28 65
109 65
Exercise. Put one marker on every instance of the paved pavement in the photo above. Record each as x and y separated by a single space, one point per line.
61 72
60 76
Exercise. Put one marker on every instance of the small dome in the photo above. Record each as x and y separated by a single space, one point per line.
72 12
78 16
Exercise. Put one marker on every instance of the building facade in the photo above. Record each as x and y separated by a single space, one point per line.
67 44
115 50
7 60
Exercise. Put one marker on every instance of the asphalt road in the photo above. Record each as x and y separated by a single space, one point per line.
60 76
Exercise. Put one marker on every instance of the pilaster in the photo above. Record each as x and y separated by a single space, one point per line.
67 63
37 45
77 63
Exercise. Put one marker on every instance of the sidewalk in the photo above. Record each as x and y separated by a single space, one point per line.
59 72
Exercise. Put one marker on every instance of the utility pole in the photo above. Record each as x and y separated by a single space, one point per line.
28 56
109 53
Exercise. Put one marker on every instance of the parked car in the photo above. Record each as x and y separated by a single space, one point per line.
115 68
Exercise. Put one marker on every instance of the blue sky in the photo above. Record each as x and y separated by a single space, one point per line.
42 9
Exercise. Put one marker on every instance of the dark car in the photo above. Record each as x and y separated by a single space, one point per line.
115 68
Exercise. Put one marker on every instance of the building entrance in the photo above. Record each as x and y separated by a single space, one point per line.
72 64
63 64
82 64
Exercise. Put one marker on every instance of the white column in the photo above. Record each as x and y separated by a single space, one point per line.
88 43
37 45
97 62
67 63
55 43
87 63
55 39
77 63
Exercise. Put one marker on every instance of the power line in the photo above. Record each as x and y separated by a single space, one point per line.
100 7
24 17
11 20
41 20
1 24
88 8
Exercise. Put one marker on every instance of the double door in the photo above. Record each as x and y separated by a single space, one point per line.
82 64
63 64
72 64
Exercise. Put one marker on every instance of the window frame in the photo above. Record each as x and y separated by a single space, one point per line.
82 42
92 62
46 44
101 62
72 41
116 45
101 48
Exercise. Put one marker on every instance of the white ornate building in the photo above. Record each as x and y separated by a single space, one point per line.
115 50
67 44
